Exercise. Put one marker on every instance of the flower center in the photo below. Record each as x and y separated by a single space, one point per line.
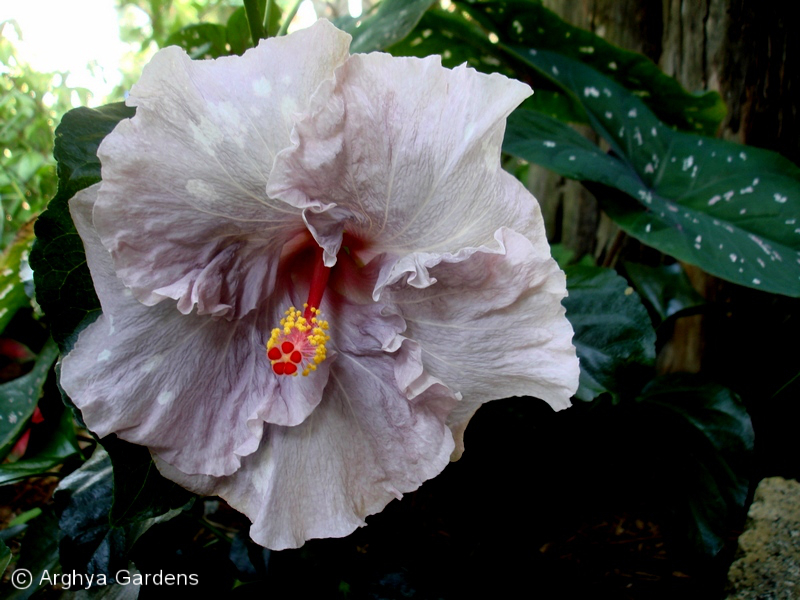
298 346
299 343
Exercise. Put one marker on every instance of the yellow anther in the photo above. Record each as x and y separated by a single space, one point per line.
298 337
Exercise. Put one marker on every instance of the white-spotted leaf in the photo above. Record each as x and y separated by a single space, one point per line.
730 209
391 22
523 28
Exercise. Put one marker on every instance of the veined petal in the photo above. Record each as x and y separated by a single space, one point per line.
490 324
403 155
412 268
183 206
195 389
363 446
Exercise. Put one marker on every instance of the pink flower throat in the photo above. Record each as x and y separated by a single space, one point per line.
298 345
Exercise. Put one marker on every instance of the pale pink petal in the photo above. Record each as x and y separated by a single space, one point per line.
490 324
404 156
366 444
183 205
195 389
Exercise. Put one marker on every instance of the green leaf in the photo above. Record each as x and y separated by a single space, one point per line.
665 289
275 18
64 287
525 27
19 397
390 23
203 40
28 467
61 445
458 40
254 12
39 553
12 289
613 334
24 517
140 491
238 28
93 541
5 557
729 209
562 255
707 442
544 140
237 32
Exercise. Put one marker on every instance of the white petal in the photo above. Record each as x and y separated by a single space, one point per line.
196 390
404 155
183 206
490 324
363 446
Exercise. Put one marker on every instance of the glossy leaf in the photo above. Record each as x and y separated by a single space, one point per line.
613 334
61 445
64 287
19 397
39 554
140 491
729 209
203 40
544 140
707 439
525 27
5 557
275 17
391 22
666 289
563 256
237 32
254 12
23 518
237 29
456 40
459 40
93 542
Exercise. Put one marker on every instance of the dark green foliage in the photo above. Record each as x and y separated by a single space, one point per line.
707 450
391 21
666 290
39 553
64 286
525 27
19 397
613 334
204 40
729 209
104 510
60 446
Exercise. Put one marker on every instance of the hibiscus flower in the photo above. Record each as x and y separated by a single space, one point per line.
313 271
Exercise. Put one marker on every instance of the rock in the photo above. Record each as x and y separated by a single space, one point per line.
767 565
